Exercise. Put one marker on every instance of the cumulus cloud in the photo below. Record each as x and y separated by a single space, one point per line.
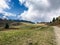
7 14
4 4
40 10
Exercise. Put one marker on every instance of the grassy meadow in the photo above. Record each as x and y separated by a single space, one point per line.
27 34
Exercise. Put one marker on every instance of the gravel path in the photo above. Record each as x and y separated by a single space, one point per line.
57 34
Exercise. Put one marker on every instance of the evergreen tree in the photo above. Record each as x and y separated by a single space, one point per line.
53 20
57 19
6 26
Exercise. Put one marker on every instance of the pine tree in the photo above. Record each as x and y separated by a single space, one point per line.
6 26
53 20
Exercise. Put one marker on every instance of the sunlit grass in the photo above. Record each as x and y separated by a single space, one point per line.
28 35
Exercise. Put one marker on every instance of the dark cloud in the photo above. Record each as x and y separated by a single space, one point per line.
55 4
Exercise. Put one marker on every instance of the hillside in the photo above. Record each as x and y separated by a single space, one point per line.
27 34
4 21
55 21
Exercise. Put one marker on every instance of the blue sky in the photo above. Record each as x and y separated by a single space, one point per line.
30 10
16 7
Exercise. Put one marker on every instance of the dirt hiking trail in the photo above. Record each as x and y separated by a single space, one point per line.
57 34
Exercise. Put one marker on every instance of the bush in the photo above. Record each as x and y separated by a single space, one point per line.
6 26
53 20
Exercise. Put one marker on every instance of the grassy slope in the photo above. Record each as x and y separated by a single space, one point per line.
28 35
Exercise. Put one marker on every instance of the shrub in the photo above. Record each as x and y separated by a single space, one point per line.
6 26
53 20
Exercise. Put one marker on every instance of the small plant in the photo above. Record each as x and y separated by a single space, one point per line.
30 43
36 43
6 26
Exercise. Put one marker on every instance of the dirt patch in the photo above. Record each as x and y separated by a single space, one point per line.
57 34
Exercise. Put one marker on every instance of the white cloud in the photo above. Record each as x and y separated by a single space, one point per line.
4 4
40 10
7 14
4 17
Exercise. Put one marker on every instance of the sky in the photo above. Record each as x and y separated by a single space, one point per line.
30 10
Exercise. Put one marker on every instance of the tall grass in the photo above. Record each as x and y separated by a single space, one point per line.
28 35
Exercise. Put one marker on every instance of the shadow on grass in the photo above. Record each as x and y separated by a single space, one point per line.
3 29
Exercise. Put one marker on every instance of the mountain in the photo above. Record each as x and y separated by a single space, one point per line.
23 21
4 21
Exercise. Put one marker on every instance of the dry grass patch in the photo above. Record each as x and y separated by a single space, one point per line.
26 35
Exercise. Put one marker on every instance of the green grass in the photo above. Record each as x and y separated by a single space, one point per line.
28 35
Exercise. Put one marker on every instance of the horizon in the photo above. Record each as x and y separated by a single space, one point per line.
30 10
